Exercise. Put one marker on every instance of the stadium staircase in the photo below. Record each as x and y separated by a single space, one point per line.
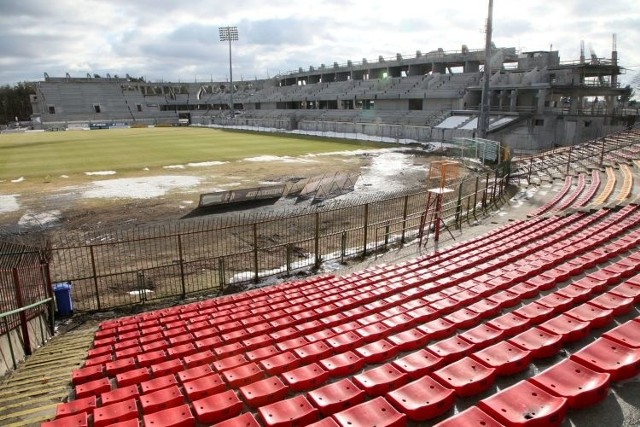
525 325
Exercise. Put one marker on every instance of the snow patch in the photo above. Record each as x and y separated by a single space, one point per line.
173 167
9 203
64 176
18 180
139 188
206 164
42 219
285 159
100 173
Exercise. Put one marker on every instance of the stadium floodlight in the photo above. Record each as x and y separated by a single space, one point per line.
229 34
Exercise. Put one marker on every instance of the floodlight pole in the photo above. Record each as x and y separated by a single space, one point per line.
229 34
483 121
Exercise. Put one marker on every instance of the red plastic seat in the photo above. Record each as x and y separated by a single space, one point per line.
115 413
568 327
437 329
597 317
409 339
336 397
379 380
119 394
605 355
217 407
375 412
293 411
194 373
419 363
86 405
120 365
243 375
305 377
313 352
279 363
472 417
504 357
93 388
525 404
372 332
609 301
84 375
627 290
151 358
230 349
541 343
536 313
482 335
264 392
179 416
260 353
134 376
76 420
343 341
577 293
204 386
166 368
466 376
512 324
422 399
628 334
377 351
158 383
161 399
342 364
243 420
229 362
452 349
580 385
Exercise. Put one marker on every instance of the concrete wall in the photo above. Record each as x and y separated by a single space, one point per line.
38 333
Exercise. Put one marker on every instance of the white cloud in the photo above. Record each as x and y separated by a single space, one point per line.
165 39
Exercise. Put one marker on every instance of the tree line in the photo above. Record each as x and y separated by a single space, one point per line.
14 102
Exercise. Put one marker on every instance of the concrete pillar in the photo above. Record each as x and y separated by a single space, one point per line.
513 100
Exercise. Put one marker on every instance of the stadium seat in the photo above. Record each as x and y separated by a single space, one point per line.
264 392
409 339
226 350
610 301
379 380
344 341
628 334
342 364
261 353
204 386
158 383
580 385
76 420
179 416
243 375
312 352
605 355
168 367
437 329
217 407
569 328
243 420
467 376
161 399
93 388
539 342
510 323
452 348
279 363
229 362
595 316
73 407
194 373
422 399
90 373
296 410
471 417
504 357
536 313
120 365
482 336
336 397
151 358
134 376
376 412
419 363
119 394
110 414
305 377
525 404
376 351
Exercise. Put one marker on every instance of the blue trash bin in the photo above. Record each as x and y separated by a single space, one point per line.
62 292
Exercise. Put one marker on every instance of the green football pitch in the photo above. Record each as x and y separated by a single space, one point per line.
43 154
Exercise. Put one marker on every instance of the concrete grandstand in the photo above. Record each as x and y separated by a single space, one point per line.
537 101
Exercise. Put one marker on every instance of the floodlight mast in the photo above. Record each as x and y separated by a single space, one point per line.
485 104
229 34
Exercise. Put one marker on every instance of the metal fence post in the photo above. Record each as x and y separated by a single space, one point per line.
288 255
318 257
26 341
459 206
475 197
256 276
404 218
343 246
94 271
386 234
366 229
181 261
221 273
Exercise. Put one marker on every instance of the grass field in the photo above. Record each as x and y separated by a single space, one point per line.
43 154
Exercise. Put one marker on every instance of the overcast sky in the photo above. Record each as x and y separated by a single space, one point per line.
178 40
